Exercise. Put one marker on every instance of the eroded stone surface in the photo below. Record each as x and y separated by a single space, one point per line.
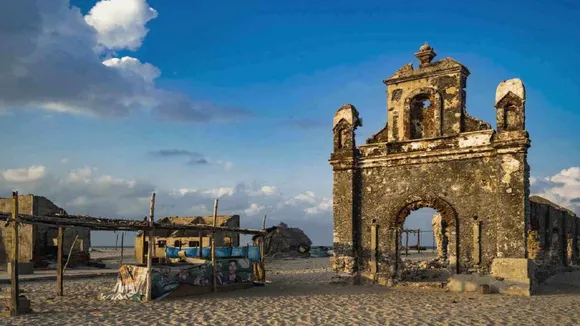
432 153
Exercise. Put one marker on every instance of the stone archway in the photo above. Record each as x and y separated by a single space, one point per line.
449 218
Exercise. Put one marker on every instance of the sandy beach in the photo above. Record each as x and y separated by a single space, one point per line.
300 293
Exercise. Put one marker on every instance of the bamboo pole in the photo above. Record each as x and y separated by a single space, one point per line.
14 258
262 251
59 267
122 245
213 264
69 253
150 250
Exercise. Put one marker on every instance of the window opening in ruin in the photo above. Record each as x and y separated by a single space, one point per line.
177 243
417 119
423 246
161 243
509 116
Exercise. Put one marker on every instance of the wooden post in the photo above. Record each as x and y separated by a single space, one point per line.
213 264
14 258
59 267
419 240
116 241
122 238
150 251
200 243
143 249
262 251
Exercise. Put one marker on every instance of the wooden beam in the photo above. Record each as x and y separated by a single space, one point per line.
59 267
150 248
122 247
14 290
213 264
95 223
263 250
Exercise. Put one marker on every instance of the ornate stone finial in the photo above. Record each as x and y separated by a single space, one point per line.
425 55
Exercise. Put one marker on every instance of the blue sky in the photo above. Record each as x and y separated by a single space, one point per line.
275 72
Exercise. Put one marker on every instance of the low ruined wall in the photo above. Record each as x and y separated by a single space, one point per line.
553 238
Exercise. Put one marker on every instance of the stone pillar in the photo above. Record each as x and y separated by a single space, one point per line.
512 143
438 234
343 161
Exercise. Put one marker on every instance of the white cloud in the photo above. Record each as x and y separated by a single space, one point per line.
131 67
305 197
562 188
81 175
324 206
32 173
64 161
48 61
254 209
120 24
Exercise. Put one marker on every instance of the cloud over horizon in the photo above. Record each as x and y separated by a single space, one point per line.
85 190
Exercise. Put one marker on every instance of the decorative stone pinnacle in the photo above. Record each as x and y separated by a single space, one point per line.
425 55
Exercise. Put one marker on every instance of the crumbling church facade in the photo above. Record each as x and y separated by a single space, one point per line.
432 153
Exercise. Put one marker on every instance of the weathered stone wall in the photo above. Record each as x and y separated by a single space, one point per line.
553 237
35 240
431 153
25 232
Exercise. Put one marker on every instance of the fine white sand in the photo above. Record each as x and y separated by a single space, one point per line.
301 294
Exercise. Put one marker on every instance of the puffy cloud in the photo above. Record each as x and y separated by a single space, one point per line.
31 173
562 188
133 68
120 24
49 60
254 209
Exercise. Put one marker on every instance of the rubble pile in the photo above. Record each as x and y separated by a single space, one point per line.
282 241
425 270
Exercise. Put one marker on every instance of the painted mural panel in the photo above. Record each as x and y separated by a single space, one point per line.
132 279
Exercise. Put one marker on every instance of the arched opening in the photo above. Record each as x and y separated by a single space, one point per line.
423 246
418 115
428 242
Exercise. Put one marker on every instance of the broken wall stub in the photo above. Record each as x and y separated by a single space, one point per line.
553 239
37 241
432 153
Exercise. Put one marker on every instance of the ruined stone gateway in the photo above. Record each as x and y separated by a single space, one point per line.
432 153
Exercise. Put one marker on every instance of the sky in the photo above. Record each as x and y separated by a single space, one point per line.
104 102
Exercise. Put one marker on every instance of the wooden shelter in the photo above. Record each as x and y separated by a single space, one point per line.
15 220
